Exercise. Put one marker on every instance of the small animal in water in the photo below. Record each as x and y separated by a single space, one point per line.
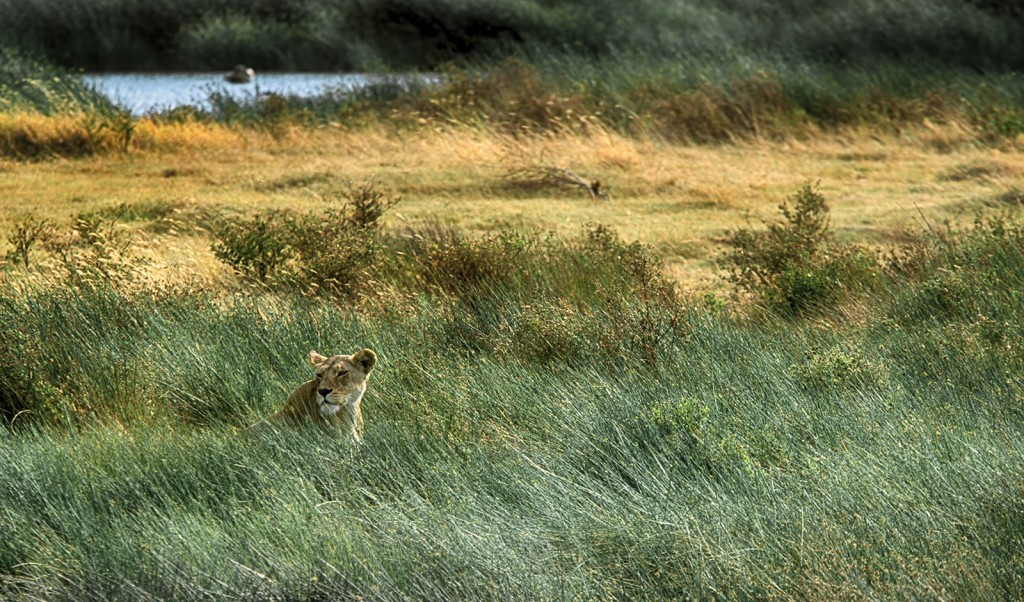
240 75
331 400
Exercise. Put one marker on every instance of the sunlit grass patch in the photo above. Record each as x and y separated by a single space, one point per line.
186 135
985 171
30 135
33 135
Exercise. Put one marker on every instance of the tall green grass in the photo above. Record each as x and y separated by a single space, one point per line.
760 458
694 99
681 70
688 101
31 83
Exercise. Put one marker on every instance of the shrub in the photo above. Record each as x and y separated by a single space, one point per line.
792 265
26 234
546 332
642 310
325 251
837 369
336 249
254 247
535 297
472 266
961 273
678 419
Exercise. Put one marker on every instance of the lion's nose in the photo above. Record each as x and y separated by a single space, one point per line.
324 392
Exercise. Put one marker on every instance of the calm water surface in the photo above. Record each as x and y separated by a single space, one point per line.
143 93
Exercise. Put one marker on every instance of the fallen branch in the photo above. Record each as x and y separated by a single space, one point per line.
560 177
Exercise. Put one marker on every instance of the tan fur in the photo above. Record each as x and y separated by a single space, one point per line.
343 377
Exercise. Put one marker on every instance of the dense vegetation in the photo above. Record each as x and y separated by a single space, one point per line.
559 425
552 417
672 101
725 70
403 34
30 83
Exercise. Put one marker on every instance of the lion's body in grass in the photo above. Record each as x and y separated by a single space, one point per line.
331 401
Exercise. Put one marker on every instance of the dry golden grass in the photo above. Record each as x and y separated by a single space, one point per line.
680 199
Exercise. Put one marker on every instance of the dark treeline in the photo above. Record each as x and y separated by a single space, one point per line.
423 34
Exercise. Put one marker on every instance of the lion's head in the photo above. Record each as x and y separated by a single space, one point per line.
340 379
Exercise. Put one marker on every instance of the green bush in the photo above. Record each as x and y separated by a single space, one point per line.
329 251
838 369
793 266
255 247
676 424
470 266
338 250
955 274
591 296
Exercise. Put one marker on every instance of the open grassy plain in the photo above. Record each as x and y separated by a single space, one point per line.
680 199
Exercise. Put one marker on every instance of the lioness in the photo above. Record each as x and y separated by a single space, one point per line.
331 399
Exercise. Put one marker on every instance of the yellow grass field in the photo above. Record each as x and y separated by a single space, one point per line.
679 199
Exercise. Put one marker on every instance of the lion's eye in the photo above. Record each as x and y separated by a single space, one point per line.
343 374
319 374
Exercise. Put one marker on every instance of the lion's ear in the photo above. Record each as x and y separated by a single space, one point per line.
365 358
315 358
